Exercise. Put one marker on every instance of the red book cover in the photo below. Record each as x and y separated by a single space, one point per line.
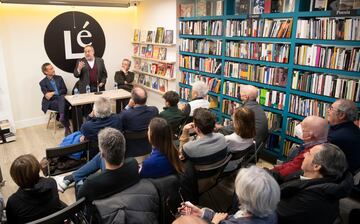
267 7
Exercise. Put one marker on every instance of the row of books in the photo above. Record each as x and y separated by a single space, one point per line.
5 133
327 85
212 47
274 121
280 28
231 89
329 28
259 51
185 93
334 5
268 75
161 36
272 98
202 8
307 107
150 51
210 65
287 146
290 126
273 142
189 78
162 69
209 28
263 6
152 82
229 106
343 58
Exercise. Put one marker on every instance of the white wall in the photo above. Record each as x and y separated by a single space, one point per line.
153 14
22 30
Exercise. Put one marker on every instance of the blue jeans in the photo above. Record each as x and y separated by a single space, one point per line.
89 168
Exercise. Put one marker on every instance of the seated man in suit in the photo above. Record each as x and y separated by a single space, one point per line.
312 194
54 89
171 113
117 173
343 132
136 118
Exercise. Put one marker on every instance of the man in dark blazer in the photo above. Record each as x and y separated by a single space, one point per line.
91 71
54 90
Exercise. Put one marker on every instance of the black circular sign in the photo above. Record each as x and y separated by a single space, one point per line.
68 34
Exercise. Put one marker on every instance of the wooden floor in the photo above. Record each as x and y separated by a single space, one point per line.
32 140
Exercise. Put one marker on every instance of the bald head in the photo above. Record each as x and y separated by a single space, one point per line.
248 93
186 219
314 128
139 95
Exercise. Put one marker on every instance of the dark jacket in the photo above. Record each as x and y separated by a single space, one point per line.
26 205
46 87
137 204
347 137
90 129
120 79
313 200
84 76
271 219
173 115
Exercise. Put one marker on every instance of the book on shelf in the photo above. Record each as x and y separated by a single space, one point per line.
143 36
185 93
160 33
162 85
229 106
213 84
156 52
169 70
162 53
136 49
150 36
149 51
356 4
136 35
203 46
210 65
153 68
155 83
257 6
157 68
209 28
169 37
186 10
274 121
137 64
219 8
271 98
306 107
231 89
214 102
241 7
291 123
273 142
320 5
287 147
161 69
143 50
346 4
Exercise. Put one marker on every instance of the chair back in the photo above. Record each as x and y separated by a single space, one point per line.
64 152
137 143
73 214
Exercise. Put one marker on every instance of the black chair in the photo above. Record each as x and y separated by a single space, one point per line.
62 153
137 143
253 157
73 214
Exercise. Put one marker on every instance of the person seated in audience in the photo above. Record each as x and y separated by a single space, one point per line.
248 95
36 197
186 219
164 158
198 98
312 130
243 137
343 132
54 89
209 147
258 195
312 194
171 112
117 172
2 206
124 79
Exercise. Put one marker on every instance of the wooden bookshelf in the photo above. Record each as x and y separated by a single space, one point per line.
149 88
301 11
154 59
155 44
154 75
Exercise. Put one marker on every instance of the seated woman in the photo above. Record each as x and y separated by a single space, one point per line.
164 158
36 197
243 137
258 195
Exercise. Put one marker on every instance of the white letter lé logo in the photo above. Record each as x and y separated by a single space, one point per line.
68 34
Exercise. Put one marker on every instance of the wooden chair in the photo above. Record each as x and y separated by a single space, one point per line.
71 214
52 116
64 152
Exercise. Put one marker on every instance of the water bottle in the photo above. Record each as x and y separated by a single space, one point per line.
76 92
115 86
87 89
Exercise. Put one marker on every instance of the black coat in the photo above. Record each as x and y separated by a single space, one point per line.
313 200
84 75
120 79
46 87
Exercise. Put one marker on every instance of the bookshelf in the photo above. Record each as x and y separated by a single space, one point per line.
262 71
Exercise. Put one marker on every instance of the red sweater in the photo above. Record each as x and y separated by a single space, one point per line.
293 165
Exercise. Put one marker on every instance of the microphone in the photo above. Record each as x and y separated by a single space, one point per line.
97 88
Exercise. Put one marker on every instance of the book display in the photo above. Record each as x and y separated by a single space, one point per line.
301 55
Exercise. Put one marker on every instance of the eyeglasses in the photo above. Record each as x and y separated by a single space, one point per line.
174 214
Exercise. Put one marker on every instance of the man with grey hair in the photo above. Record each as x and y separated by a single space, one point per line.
313 130
198 98
312 194
113 167
248 95
343 132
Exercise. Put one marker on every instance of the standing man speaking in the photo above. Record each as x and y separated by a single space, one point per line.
91 71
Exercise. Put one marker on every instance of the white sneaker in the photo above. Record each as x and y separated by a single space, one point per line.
62 184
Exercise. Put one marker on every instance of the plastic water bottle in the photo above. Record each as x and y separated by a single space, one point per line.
87 89
76 92
115 86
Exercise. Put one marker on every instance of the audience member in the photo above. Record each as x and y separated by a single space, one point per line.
248 95
124 79
114 167
258 195
172 113
54 89
343 132
198 98
2 206
243 137
187 219
36 197
312 130
312 195
164 158
209 147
